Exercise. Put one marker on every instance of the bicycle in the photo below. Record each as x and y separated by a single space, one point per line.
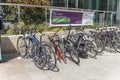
84 42
33 48
69 48
55 43
110 39
63 46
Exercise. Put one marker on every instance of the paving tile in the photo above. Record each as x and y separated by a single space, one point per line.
51 73
3 74
29 67
113 76
12 63
21 76
105 67
94 77
59 77
37 75
14 70
2 66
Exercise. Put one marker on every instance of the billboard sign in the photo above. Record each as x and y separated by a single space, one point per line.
70 17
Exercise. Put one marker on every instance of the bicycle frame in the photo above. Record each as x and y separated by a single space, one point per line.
35 42
57 50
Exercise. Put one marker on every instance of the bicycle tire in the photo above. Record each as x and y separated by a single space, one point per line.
100 45
40 57
117 44
92 49
30 48
21 47
62 50
74 55
51 56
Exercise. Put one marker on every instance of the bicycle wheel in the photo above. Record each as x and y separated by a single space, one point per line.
40 56
72 52
62 51
74 56
30 48
21 46
99 45
91 45
117 44
51 57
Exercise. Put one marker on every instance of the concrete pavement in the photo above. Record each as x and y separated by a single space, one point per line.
105 67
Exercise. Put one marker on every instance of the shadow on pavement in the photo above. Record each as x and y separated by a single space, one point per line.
56 69
9 56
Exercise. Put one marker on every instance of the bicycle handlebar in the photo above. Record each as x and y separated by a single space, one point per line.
58 30
55 34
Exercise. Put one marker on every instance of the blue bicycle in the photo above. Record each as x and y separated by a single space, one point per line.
31 46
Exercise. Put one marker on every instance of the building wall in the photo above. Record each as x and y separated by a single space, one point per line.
104 5
87 4
118 12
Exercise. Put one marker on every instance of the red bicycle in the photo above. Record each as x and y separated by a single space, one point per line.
58 49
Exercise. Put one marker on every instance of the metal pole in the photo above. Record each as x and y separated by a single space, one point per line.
97 5
108 5
111 17
49 7
118 13
90 5
97 14
107 10
113 3
104 19
77 4
46 17
19 18
52 2
67 3
94 20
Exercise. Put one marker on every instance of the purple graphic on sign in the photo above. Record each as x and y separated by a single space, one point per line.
66 17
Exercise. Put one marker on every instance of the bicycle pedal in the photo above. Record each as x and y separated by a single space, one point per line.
59 60
63 55
115 52
65 60
49 57
27 57
95 57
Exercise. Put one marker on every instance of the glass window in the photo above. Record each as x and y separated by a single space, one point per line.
93 4
84 4
112 5
59 3
80 4
108 5
87 4
103 4
72 3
